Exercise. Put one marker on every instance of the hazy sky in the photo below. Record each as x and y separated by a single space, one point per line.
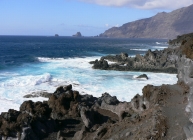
66 17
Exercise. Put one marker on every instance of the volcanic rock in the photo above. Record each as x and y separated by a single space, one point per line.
78 34
143 76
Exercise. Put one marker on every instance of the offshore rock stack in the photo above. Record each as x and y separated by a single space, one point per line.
160 113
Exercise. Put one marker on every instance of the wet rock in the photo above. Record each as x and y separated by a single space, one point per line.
143 76
100 64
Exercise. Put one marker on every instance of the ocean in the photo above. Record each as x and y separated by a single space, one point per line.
42 63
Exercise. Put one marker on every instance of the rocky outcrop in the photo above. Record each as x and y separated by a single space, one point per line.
153 61
78 34
180 40
144 76
162 25
69 115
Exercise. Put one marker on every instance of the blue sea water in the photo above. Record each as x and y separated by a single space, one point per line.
38 63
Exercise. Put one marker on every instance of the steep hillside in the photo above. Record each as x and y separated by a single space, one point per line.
162 25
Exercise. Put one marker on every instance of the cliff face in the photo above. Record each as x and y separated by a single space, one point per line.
162 25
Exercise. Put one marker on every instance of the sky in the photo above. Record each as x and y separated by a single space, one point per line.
66 17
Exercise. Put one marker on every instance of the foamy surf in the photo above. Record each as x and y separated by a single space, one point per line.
139 49
161 43
54 72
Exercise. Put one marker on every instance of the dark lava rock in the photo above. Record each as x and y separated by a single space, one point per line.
108 99
154 61
74 116
100 64
143 76
63 90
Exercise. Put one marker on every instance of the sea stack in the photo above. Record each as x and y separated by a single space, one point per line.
78 34
56 35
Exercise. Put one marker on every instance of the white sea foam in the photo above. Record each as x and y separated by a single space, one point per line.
160 47
161 43
21 81
139 49
110 62
158 43
51 73
47 59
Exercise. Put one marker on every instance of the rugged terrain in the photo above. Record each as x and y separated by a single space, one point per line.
155 61
160 113
162 25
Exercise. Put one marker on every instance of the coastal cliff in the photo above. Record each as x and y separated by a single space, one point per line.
160 113
162 25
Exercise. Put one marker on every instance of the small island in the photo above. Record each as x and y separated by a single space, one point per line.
56 35
78 34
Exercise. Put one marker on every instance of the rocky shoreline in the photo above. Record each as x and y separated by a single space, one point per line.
152 61
161 113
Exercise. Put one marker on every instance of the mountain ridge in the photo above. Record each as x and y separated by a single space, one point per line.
162 25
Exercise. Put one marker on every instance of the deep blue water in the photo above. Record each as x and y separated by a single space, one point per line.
17 50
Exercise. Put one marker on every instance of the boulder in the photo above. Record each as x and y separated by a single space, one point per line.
142 76
100 64
63 89
108 99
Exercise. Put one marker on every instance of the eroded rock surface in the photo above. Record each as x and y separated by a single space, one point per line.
69 115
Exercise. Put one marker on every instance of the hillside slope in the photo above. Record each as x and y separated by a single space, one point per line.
162 25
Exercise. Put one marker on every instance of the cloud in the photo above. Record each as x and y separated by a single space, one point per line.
143 4
109 26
